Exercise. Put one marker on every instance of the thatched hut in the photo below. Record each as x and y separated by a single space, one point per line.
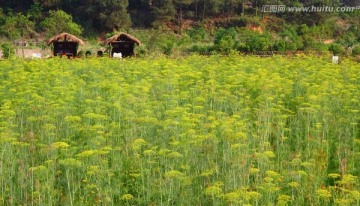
122 43
65 44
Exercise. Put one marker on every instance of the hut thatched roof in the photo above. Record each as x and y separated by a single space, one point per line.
65 37
122 37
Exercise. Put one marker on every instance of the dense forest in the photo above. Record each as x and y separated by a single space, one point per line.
225 20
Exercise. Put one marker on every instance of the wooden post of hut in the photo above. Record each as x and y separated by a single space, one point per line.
65 44
122 43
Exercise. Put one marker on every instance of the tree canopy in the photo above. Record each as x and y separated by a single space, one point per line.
105 15
255 30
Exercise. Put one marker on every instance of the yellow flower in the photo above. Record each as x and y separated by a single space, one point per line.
87 153
334 175
213 191
294 184
254 170
127 197
323 194
57 145
283 200
173 174
138 143
269 154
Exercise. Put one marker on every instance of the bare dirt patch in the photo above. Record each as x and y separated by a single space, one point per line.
28 53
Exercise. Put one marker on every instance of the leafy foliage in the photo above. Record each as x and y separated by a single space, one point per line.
8 50
254 41
197 33
199 18
107 15
356 50
225 39
335 49
59 21
242 40
18 26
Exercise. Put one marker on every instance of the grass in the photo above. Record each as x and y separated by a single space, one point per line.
188 131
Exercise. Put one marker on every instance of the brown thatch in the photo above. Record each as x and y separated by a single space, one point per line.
122 37
65 37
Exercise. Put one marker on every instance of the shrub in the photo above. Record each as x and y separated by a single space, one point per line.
283 45
259 42
226 44
335 49
241 40
8 50
280 45
224 33
241 46
201 49
166 43
290 39
253 41
356 50
197 34
167 47
225 39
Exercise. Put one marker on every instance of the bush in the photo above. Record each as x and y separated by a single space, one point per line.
254 41
226 44
290 40
283 45
8 50
356 50
158 42
259 42
225 39
240 46
141 50
197 34
335 49
167 47
224 33
242 40
201 49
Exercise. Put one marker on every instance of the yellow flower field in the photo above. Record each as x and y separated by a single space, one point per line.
188 131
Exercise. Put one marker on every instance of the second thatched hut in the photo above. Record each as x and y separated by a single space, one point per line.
122 43
65 44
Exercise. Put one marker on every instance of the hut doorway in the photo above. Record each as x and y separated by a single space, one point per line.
65 44
125 48
65 48
122 43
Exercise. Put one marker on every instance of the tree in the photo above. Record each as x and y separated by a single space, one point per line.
211 7
59 21
180 4
351 2
230 6
2 17
18 26
140 12
24 25
118 17
50 3
163 10
15 6
35 12
107 15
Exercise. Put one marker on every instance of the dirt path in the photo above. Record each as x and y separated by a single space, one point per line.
28 52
